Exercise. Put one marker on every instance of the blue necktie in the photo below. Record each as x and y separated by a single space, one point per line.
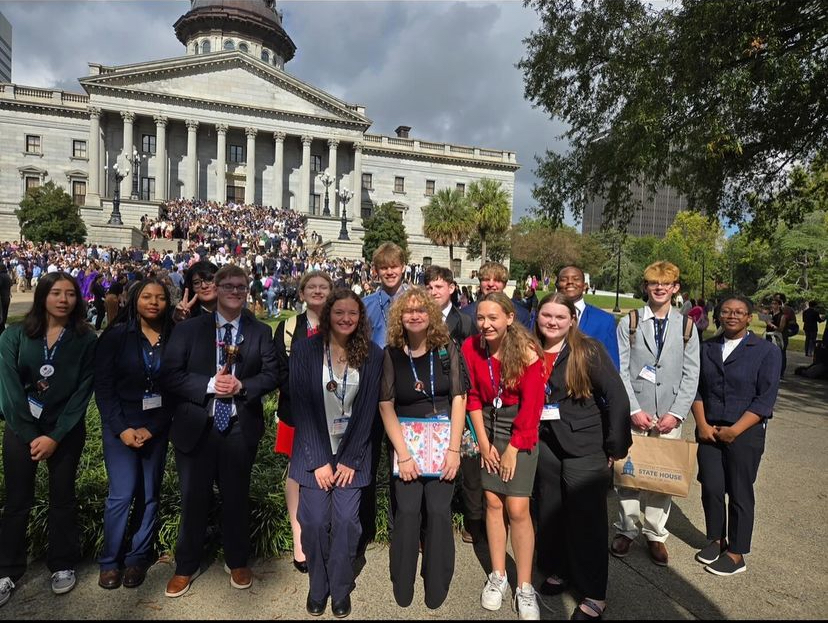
224 406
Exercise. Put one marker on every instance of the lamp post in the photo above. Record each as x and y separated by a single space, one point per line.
702 280
135 161
617 308
327 180
345 195
118 175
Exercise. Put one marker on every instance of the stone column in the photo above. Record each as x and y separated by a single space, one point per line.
221 163
332 144
93 192
356 186
161 190
304 186
126 186
278 170
250 167
191 179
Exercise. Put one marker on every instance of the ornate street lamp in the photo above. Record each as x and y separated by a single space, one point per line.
135 161
118 175
327 180
345 195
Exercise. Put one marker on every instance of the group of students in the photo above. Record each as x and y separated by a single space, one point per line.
549 406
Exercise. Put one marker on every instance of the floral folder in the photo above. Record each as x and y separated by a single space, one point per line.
427 440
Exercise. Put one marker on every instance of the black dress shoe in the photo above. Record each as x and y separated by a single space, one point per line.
301 567
342 608
134 576
315 608
109 579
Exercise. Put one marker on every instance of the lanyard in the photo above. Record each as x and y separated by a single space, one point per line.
548 387
332 384
419 386
49 353
498 401
660 330
152 364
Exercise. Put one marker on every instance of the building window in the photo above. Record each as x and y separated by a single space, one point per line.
79 149
426 261
205 47
399 184
148 143
315 204
236 153
32 144
368 181
195 49
235 194
462 189
78 193
429 188
32 183
456 265
229 45
365 210
265 56
244 48
147 188
316 164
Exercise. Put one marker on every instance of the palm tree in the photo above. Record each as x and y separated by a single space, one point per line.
490 206
447 220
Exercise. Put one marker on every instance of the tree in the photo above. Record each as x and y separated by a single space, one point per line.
693 243
713 97
47 214
544 248
498 248
384 225
490 205
447 220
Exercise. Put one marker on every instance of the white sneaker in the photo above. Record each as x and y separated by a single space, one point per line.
526 603
63 581
496 588
6 588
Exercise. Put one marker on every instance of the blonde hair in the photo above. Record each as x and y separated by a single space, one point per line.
662 271
493 270
437 335
519 349
315 273
388 254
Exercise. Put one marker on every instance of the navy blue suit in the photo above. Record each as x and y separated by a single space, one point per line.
330 519
134 474
521 313
598 324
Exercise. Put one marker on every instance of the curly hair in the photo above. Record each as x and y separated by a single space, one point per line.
357 346
519 349
437 335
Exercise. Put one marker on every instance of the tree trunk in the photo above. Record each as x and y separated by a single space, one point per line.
451 256
482 250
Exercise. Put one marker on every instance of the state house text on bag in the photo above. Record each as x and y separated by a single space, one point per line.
658 464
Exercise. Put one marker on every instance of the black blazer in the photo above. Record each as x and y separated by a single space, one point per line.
311 444
283 371
120 383
585 427
190 362
460 326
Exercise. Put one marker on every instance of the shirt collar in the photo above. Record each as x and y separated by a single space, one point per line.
221 320
446 310
648 313
580 305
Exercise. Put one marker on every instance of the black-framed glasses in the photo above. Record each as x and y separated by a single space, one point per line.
203 282
736 313
227 288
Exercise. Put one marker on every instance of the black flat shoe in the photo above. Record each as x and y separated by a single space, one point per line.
301 567
315 608
342 608
549 589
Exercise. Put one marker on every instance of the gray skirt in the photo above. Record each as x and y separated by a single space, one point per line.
499 431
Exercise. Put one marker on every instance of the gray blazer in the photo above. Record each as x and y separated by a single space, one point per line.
677 370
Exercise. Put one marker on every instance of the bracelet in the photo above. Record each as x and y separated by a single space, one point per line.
453 450
411 458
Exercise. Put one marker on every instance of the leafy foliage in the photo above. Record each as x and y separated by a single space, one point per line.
47 214
544 248
712 97
447 219
498 248
384 225
489 203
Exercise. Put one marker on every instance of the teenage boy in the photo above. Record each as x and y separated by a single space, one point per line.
493 277
389 262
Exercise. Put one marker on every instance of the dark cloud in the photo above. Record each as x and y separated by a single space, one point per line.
447 69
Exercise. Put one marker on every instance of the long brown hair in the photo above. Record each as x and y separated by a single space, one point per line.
35 321
357 346
582 349
437 334
519 349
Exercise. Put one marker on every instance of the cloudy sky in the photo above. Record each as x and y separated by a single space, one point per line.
447 69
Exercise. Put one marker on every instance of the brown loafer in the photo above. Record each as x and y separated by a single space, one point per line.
241 577
109 579
620 546
658 552
134 576
178 585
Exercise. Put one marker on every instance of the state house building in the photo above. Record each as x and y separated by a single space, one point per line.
225 121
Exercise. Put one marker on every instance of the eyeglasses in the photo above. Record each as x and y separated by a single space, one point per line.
663 284
204 282
736 313
322 287
227 288
416 311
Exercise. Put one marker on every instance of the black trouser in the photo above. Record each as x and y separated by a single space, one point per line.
228 459
810 342
571 540
368 500
413 499
20 471
100 313
731 469
472 490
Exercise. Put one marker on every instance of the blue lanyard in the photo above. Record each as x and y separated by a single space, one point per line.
660 330
49 353
418 384
151 364
497 388
333 382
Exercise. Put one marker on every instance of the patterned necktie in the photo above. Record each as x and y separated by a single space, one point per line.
224 406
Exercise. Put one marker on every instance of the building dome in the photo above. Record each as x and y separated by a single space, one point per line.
252 26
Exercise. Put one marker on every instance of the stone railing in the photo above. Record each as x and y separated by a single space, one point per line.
415 145
33 94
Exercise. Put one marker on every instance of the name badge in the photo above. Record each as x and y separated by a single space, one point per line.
648 373
339 427
152 401
551 412
35 408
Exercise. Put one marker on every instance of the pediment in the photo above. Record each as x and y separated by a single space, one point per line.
30 169
226 79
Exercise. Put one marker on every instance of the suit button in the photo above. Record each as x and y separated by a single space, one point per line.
658 384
